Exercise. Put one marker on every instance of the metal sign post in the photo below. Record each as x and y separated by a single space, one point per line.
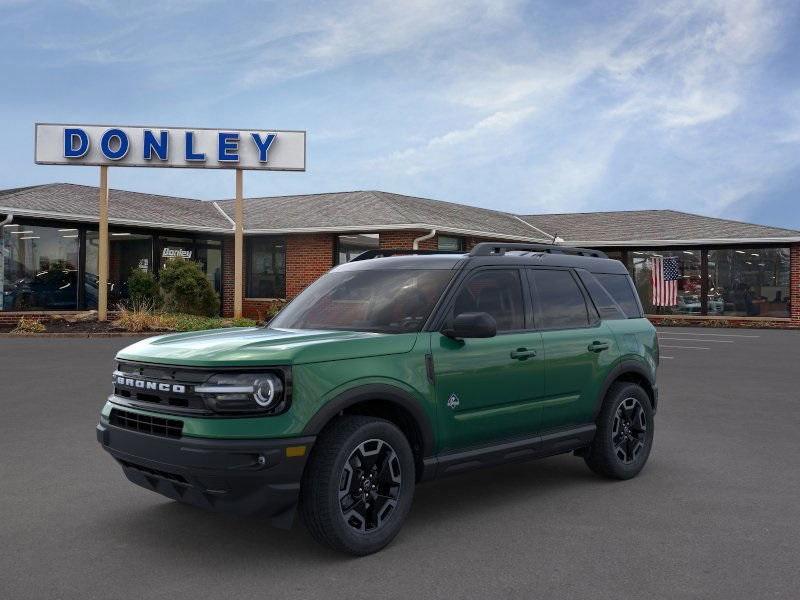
176 147
238 243
103 253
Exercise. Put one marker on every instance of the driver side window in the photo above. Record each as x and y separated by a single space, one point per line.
497 292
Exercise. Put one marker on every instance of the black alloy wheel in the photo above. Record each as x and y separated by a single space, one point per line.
624 436
629 432
370 484
358 485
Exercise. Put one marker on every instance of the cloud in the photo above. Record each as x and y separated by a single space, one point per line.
338 34
476 143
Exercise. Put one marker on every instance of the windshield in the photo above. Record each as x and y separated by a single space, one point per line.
388 301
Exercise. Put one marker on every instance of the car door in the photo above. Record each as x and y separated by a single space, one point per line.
487 389
578 348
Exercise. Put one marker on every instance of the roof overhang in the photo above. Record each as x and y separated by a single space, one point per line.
400 227
397 227
682 242
93 219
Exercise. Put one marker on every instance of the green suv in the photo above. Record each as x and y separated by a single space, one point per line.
393 369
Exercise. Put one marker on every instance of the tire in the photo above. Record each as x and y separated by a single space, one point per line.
624 437
340 504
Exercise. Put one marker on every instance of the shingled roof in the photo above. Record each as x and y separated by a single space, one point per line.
365 211
79 203
643 227
374 210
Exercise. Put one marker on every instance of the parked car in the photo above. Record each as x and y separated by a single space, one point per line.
388 371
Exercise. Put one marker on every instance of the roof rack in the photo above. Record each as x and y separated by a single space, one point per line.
384 252
495 248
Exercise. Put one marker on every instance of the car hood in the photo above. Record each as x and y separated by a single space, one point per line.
240 346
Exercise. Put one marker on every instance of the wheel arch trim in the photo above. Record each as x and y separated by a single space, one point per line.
623 368
372 392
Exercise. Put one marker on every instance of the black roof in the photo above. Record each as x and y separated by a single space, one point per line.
593 264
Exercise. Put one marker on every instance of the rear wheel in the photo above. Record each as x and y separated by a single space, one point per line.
358 487
624 433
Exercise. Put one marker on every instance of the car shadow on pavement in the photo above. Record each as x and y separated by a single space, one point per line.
194 534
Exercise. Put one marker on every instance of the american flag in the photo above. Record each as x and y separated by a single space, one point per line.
665 280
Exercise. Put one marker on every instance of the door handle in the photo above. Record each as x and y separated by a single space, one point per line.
598 346
522 353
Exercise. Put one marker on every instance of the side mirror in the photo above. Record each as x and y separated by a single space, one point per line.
472 325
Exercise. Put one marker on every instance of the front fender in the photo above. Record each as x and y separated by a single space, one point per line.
374 391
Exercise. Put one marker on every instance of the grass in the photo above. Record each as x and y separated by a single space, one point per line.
26 325
139 319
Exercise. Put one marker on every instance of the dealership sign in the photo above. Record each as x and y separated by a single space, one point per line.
192 148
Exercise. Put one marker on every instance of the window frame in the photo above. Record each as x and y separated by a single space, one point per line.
248 270
461 242
443 312
592 316
631 287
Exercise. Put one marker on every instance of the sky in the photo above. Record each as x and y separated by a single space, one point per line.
527 107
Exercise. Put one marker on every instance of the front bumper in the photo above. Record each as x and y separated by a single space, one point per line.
245 477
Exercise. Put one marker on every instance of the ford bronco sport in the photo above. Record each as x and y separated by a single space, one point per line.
389 370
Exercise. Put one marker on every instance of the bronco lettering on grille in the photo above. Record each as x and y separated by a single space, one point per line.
155 386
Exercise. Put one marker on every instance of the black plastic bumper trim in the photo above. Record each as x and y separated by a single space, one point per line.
245 477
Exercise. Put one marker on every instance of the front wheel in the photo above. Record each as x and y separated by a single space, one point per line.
624 435
358 486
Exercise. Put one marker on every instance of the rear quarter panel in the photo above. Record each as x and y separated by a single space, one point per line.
637 342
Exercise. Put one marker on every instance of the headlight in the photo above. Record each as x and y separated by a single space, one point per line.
243 392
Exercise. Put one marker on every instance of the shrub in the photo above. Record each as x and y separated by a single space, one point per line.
26 325
143 289
186 290
243 322
140 318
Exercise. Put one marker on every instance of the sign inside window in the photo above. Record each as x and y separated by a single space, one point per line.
176 253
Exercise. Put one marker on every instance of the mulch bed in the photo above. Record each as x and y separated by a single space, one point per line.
82 327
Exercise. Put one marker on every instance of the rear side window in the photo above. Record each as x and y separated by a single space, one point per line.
621 290
560 300
497 292
606 305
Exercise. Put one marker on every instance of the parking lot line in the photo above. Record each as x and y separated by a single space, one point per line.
737 335
667 357
672 339
687 347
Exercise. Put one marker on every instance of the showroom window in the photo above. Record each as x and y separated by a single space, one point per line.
446 242
128 252
748 282
209 255
266 267
351 245
678 278
39 267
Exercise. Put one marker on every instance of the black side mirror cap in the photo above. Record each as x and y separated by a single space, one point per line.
472 325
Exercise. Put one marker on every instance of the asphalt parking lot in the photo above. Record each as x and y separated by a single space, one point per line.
715 514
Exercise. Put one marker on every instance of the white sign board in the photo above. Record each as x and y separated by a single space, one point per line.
189 148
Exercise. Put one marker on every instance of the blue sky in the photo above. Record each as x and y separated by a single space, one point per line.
558 106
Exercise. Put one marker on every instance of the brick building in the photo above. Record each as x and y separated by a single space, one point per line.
739 272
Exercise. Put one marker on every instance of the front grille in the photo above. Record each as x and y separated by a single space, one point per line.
157 385
171 428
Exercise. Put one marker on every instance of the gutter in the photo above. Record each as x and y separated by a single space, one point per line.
224 214
542 231
7 220
427 236
688 242
129 222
